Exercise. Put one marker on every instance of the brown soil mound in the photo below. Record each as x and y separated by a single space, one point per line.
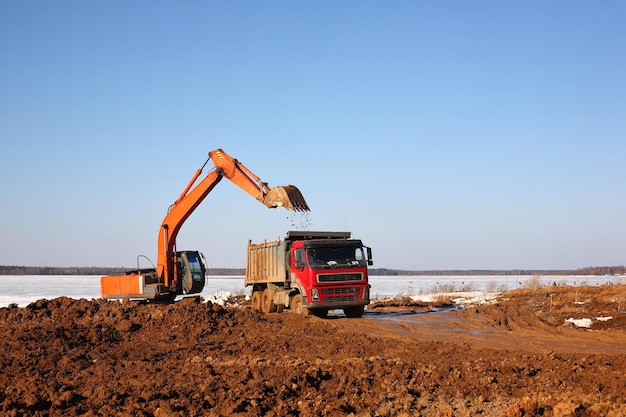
517 357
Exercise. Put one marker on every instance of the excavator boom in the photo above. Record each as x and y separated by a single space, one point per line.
167 280
287 196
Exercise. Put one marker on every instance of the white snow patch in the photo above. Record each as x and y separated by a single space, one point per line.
586 322
219 297
460 297
579 322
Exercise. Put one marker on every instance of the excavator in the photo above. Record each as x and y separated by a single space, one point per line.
183 272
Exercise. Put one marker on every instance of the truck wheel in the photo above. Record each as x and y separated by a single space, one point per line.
296 306
256 300
267 303
354 312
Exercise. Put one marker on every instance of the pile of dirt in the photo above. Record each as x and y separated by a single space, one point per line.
97 358
557 306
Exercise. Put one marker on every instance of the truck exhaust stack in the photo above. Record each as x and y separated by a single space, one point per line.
288 197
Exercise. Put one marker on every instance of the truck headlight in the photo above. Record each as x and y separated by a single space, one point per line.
315 295
366 292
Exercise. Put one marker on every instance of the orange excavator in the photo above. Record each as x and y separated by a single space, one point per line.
183 272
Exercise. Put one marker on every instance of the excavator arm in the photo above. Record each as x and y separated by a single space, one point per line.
171 275
227 167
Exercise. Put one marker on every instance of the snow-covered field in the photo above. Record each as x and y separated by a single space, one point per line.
25 289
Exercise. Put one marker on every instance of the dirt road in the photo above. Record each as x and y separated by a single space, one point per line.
517 357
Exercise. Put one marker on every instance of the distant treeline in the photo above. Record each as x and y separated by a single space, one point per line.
591 270
51 270
92 270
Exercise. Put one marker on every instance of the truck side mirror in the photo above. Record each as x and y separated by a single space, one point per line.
369 256
297 259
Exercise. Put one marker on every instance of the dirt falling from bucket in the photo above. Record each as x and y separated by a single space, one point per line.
299 220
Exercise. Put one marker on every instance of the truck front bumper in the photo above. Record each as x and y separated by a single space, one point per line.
334 305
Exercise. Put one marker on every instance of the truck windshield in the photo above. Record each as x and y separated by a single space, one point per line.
334 256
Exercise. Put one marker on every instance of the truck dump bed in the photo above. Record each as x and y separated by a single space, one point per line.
266 263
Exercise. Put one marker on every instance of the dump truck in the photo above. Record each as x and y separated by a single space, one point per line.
309 272
183 272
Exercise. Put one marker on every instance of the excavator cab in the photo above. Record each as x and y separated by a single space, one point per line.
190 271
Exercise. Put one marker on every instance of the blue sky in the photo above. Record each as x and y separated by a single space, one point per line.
446 135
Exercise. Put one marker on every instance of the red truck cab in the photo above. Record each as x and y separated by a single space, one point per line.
330 271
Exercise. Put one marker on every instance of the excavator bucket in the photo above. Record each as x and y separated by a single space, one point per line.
287 196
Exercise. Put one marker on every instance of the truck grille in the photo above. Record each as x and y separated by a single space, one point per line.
339 277
344 290
340 298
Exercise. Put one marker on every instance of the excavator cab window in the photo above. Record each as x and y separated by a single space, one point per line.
191 274
195 265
